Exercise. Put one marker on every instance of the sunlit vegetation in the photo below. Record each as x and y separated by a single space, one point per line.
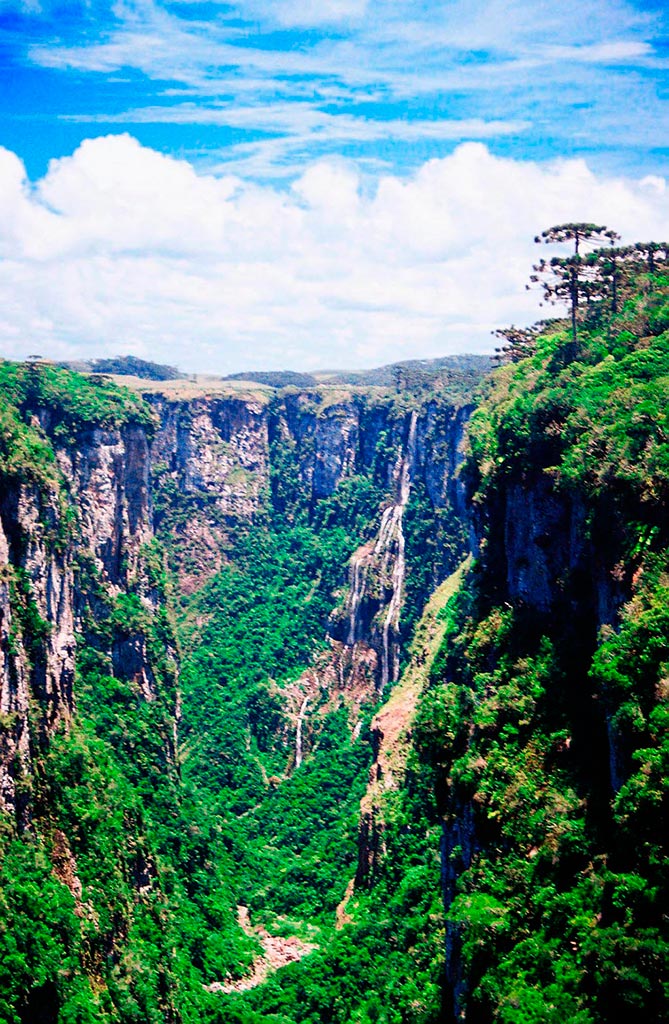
547 714
522 869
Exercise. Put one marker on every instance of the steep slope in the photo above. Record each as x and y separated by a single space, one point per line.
392 728
290 642
547 715
89 702
385 960
206 600
539 748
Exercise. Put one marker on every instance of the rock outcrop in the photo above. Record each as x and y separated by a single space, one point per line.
94 513
209 464
216 460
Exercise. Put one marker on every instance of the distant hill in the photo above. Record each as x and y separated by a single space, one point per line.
412 373
127 366
409 375
276 378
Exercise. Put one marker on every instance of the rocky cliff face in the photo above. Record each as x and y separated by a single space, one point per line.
216 461
222 450
209 468
211 464
539 558
96 508
215 448
549 554
551 688
37 633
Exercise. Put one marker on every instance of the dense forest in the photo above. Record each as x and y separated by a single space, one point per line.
344 701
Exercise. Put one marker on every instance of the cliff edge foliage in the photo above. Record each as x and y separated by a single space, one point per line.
547 715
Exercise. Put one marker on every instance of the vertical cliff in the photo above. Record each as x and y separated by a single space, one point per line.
546 714
88 691
37 631
220 463
75 491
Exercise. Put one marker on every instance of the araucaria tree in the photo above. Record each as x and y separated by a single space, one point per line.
517 343
577 277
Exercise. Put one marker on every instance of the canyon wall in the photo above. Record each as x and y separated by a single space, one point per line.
87 520
76 540
220 461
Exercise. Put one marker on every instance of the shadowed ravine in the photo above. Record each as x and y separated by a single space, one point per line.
340 704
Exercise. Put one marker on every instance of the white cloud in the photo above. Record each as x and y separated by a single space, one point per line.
372 41
121 249
306 13
619 52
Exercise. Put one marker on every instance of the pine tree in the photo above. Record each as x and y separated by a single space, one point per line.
572 278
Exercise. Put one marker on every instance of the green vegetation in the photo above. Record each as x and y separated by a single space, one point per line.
550 735
142 850
265 618
457 375
532 788
276 378
103 881
386 965
127 366
69 402
24 452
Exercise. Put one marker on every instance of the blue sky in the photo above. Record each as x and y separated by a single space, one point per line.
261 94
262 86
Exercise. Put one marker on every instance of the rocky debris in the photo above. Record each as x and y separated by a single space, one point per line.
277 953
65 867
199 554
342 916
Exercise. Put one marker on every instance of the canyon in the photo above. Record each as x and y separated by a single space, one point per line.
380 671
212 456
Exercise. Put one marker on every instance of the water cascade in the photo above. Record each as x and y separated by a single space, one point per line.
359 569
298 733
391 531
384 563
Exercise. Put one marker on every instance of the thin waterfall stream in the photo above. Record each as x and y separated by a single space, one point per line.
385 560
395 515
298 733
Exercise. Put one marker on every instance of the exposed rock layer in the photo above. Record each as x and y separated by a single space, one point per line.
211 464
98 511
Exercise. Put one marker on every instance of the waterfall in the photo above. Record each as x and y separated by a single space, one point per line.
391 619
298 733
391 529
384 563
359 578
408 461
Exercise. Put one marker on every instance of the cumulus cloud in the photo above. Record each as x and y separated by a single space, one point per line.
122 249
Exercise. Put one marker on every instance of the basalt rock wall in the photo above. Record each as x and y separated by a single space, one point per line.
93 514
219 463
207 466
